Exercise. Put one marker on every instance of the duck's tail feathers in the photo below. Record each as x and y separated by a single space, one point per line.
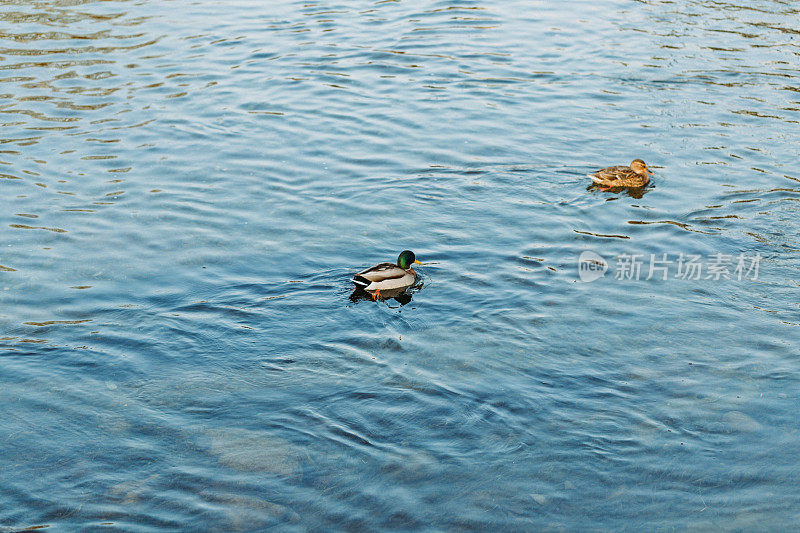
597 179
361 282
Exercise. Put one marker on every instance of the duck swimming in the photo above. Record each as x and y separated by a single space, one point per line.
388 278
635 175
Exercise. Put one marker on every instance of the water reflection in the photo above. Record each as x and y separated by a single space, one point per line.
634 192
402 296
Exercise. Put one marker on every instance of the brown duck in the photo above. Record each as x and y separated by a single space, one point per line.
635 175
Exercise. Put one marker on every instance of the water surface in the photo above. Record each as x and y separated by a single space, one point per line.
189 185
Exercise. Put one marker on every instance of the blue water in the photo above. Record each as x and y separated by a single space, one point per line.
188 186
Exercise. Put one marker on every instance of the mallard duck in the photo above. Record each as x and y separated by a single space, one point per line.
635 175
388 277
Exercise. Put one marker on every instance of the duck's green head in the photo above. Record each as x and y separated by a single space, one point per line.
406 259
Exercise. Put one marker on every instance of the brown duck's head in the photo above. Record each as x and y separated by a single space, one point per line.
640 167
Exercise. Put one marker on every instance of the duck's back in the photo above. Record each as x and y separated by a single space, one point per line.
615 172
381 272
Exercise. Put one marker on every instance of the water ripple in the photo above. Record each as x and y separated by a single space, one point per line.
190 187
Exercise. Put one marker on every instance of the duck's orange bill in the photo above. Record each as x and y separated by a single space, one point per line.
417 262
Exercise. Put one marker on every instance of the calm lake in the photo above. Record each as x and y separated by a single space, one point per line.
188 186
